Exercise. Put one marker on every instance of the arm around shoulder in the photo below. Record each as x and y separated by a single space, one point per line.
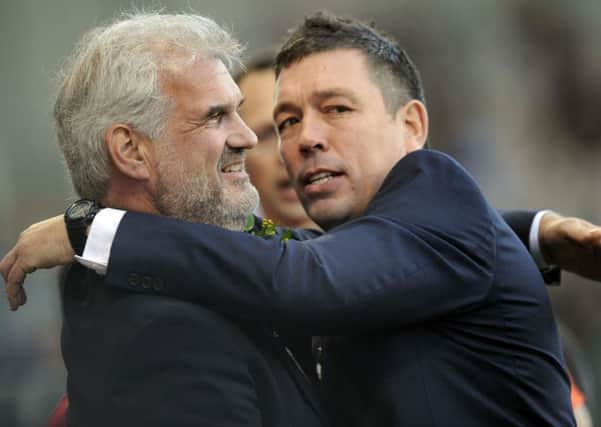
428 227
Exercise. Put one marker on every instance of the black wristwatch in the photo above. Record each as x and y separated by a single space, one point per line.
78 218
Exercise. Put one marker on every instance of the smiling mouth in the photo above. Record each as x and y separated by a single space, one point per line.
233 168
320 178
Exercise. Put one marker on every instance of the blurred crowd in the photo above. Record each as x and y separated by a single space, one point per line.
514 88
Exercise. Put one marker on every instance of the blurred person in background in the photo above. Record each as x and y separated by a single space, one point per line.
279 201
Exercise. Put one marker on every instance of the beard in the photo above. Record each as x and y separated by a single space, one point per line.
200 196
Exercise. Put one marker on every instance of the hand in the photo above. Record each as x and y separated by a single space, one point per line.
571 243
42 245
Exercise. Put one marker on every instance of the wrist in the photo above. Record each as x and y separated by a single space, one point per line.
78 218
547 222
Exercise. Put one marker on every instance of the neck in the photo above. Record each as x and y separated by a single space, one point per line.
123 195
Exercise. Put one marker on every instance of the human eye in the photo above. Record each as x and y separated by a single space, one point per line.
216 117
286 123
337 108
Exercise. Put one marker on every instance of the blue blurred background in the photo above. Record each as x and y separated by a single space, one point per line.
513 89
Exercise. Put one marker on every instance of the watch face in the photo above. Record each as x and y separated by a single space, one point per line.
79 210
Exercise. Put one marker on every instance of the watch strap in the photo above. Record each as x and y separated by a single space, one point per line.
77 233
77 227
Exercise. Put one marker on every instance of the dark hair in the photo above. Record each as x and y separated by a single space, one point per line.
389 65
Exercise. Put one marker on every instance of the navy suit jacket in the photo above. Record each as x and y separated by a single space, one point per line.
138 360
442 317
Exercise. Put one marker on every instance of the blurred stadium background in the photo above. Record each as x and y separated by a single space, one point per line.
513 89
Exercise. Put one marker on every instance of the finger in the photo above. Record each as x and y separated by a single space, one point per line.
12 290
594 235
18 298
14 286
578 231
6 263
14 300
590 241
16 277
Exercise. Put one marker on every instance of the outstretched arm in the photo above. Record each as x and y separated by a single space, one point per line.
391 266
368 274
41 245
571 243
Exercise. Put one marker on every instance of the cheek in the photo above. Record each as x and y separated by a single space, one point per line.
367 170
205 155
200 163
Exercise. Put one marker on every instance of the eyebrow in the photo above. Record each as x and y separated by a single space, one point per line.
282 107
220 109
334 92
317 96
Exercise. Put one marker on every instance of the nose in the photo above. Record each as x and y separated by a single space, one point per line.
313 136
242 137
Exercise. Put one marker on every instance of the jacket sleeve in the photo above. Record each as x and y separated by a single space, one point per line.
410 258
520 222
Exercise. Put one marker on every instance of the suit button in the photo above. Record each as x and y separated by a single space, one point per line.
157 285
133 279
146 282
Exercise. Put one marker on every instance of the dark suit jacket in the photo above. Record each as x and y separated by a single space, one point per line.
446 320
136 360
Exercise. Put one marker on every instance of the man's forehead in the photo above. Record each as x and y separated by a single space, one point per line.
181 67
320 76
326 68
206 79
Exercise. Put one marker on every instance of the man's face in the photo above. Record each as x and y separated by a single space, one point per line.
279 201
200 160
338 140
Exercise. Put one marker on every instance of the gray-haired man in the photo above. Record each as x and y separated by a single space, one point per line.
147 118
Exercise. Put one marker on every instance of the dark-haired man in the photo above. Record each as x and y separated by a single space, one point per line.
279 201
465 332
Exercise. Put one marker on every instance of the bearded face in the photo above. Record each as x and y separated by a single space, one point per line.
200 158
202 195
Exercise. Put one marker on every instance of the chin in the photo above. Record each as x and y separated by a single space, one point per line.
327 219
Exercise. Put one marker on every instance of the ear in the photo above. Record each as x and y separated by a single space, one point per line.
414 116
131 153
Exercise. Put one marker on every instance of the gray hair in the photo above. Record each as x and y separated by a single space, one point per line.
114 77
